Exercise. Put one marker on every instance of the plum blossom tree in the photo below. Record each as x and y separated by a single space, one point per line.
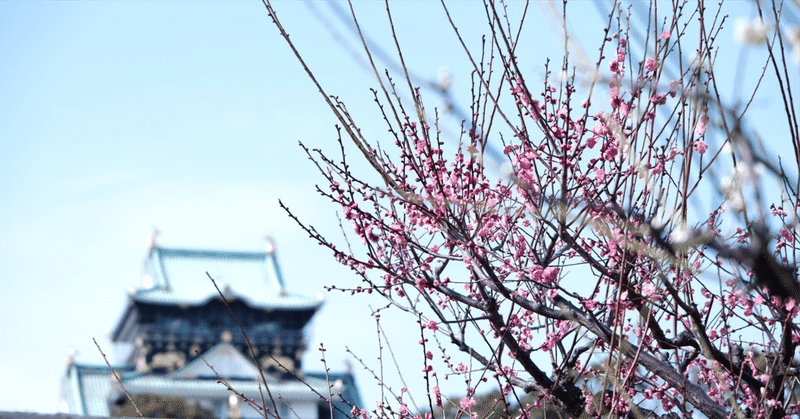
607 270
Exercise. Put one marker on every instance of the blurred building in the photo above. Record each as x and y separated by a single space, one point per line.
181 351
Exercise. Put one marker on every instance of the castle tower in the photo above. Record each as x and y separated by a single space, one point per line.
176 327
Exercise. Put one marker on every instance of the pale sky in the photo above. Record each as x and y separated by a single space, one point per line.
119 116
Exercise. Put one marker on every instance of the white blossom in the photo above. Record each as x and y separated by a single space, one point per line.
443 78
750 31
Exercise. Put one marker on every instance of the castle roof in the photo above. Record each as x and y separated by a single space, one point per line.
181 277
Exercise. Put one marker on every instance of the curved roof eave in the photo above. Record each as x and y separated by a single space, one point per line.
297 304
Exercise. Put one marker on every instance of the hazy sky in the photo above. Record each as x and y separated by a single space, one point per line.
119 116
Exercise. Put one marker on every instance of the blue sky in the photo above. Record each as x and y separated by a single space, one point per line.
119 116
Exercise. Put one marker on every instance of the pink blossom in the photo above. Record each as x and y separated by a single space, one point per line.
787 235
611 152
432 325
700 128
591 141
659 99
665 35
550 342
550 274
589 304
535 273
648 289
658 168
650 64
521 93
599 174
700 146
437 395
468 402
623 109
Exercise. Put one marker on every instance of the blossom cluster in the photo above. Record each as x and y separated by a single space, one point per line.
590 249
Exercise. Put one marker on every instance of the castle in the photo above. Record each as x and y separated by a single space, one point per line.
182 343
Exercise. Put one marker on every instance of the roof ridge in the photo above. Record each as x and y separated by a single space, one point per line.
216 253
